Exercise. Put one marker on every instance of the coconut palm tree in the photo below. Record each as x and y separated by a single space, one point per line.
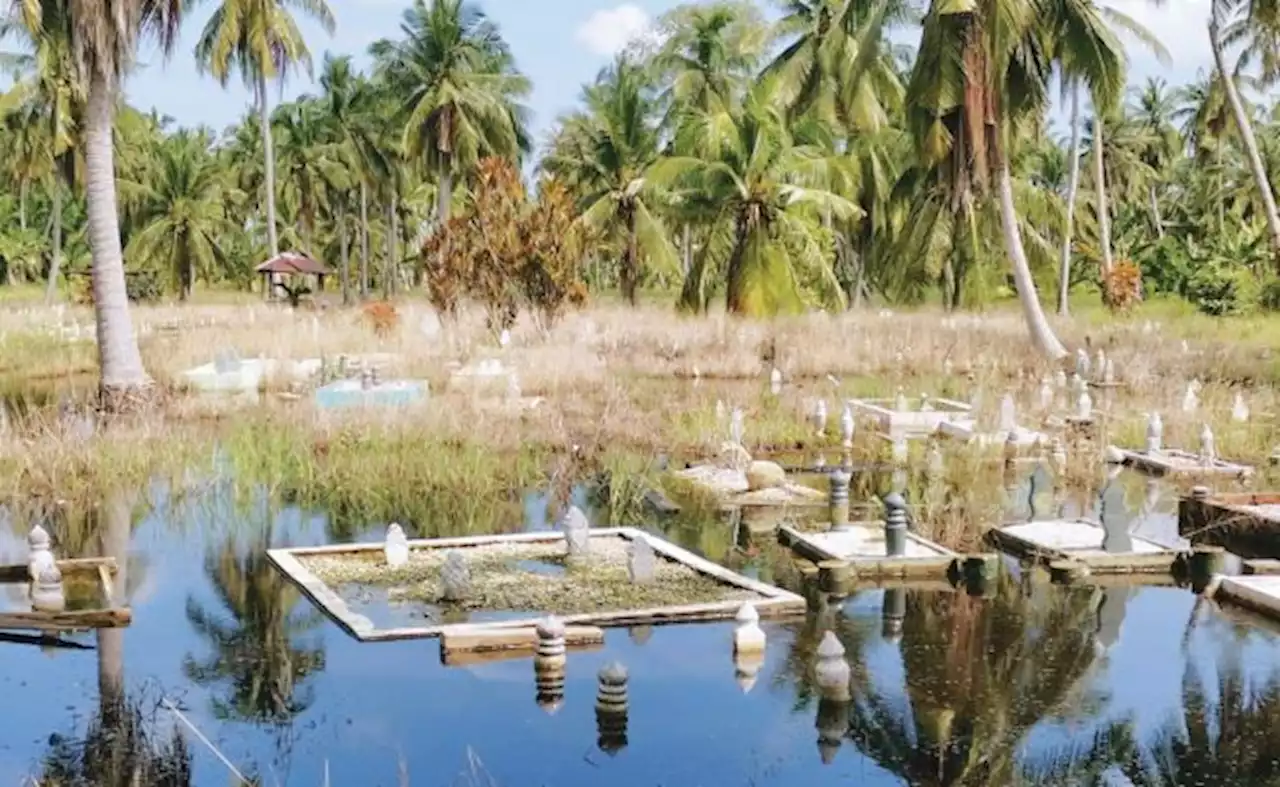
604 155
104 41
457 88
181 210
770 181
261 41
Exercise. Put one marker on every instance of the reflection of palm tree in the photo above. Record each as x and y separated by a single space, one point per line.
1230 742
255 650
117 750
980 674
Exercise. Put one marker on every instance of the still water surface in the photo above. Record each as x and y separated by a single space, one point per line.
1028 686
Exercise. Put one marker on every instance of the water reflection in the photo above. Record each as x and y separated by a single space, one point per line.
262 643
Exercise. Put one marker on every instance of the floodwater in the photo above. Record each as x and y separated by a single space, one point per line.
1032 685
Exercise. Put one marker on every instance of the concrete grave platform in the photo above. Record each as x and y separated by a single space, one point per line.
1245 523
1172 461
733 490
1257 593
969 433
351 393
912 423
1082 542
857 554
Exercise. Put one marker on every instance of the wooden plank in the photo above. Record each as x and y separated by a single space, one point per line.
330 603
19 572
475 658
473 638
117 617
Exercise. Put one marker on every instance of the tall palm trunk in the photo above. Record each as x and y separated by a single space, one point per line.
55 265
1156 219
627 276
389 269
344 243
364 239
122 371
1073 189
1247 137
686 250
1100 186
444 191
269 161
1041 332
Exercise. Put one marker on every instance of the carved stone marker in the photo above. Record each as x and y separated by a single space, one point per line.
895 525
455 578
640 561
1155 434
736 426
1084 405
46 591
775 381
1239 410
900 402
396 548
577 532
40 556
820 417
839 498
1046 394
846 426
1208 446
1008 415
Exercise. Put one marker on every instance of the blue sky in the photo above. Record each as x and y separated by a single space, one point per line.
560 45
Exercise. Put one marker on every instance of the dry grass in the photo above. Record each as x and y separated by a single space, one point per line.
621 386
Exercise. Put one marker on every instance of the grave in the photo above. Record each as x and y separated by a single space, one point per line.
1245 523
354 393
516 580
1006 431
1260 594
62 595
487 377
231 374
1082 547
912 418
1174 462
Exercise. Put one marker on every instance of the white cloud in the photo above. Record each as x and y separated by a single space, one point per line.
609 31
1182 26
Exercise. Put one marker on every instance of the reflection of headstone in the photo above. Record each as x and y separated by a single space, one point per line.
893 614
549 664
640 634
831 671
1116 538
1110 615
748 637
832 724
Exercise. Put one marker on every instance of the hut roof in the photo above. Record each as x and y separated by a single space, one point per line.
292 262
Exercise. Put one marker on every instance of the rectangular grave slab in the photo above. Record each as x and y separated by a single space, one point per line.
1082 541
88 587
857 555
731 589
912 423
351 393
1245 523
1172 461
969 433
1258 593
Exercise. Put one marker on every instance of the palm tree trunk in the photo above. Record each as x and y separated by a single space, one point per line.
122 372
627 276
394 244
444 191
55 266
1247 137
686 250
364 240
1041 332
1073 189
1100 186
1156 219
22 204
389 266
269 161
345 246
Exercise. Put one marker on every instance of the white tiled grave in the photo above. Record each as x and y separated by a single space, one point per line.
1265 511
866 542
1173 460
912 423
1074 537
1260 592
968 432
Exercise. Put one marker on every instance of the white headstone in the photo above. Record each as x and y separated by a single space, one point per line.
1008 414
926 406
1046 394
577 531
1155 434
1239 410
640 560
1082 362
40 557
1084 405
846 425
736 426
1190 399
1109 372
820 416
455 577
900 401
775 381
1100 363
1060 379
1208 447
